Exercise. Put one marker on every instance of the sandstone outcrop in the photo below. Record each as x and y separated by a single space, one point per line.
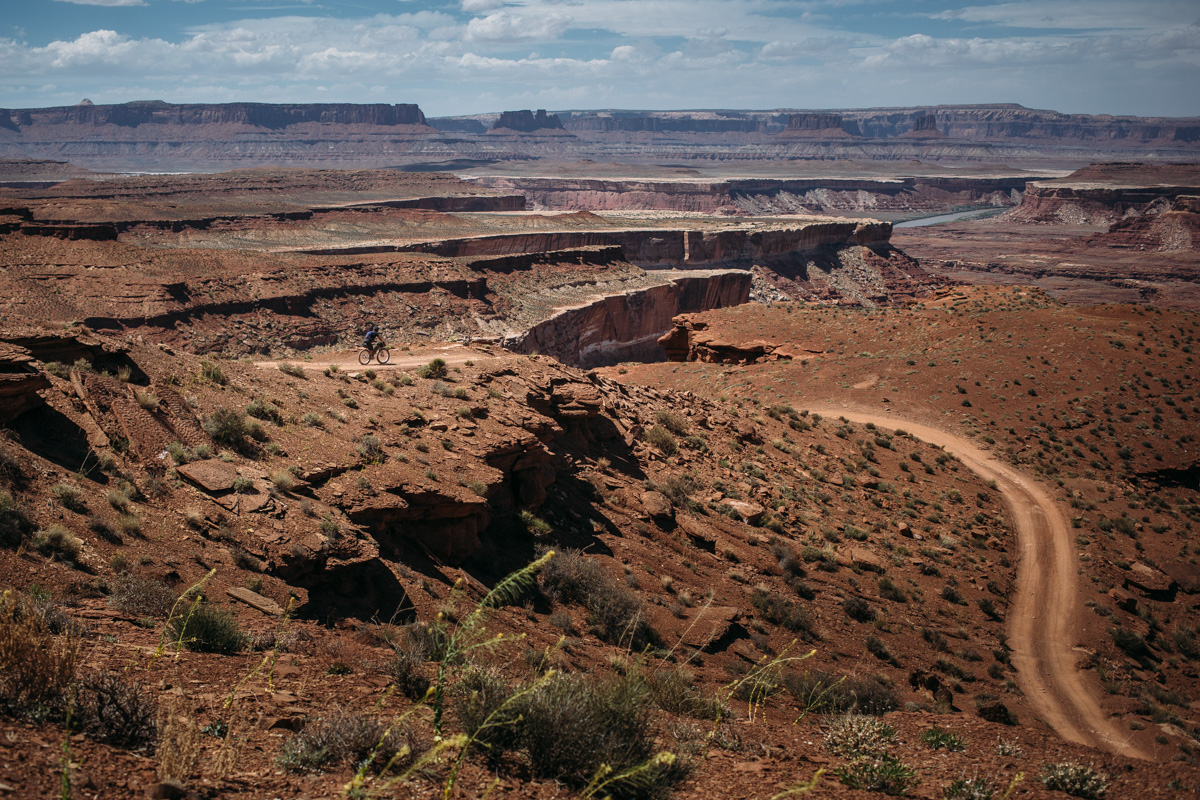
20 382
820 126
628 326
527 122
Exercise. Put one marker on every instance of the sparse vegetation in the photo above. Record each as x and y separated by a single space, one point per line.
1076 780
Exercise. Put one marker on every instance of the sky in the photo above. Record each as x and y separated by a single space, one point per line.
475 56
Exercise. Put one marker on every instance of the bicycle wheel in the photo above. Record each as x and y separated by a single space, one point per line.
382 355
364 356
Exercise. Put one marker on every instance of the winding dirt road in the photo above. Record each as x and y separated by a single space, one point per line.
1044 602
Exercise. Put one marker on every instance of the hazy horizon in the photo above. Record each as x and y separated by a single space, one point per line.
460 57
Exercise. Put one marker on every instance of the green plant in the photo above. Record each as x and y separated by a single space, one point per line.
212 372
663 439
885 774
969 789
266 411
348 737
858 735
1074 779
283 480
15 526
69 497
938 738
58 542
858 609
204 628
535 525
434 369
459 641
615 612
783 612
818 691
295 370
573 728
673 421
228 427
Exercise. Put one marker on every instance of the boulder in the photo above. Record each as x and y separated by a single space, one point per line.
1149 582
658 507
750 512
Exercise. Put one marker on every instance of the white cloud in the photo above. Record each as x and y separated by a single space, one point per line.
1077 14
476 6
505 27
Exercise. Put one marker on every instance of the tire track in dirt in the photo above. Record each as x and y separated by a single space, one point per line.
1042 609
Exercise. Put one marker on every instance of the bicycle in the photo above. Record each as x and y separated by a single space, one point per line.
380 354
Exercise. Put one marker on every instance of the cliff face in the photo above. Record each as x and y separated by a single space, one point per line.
761 196
205 137
819 126
272 116
1094 203
627 327
527 122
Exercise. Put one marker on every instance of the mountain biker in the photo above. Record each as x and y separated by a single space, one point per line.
371 340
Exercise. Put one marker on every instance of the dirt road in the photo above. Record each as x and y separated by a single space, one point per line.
401 358
1043 606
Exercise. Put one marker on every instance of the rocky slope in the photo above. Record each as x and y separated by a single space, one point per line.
384 504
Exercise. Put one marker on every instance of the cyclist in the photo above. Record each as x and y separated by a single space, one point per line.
371 339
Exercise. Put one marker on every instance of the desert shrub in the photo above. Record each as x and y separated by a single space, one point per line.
10 468
858 609
877 648
130 524
888 590
784 612
116 712
212 372
228 427
313 420
534 524
969 789
269 412
370 450
36 666
118 499
15 526
407 670
952 595
434 369
58 542
1074 779
1131 643
939 738
663 439
788 562
858 736
243 485
673 421
204 628
819 691
69 497
885 774
1186 643
330 527
295 370
615 612
675 692
571 726
283 480
141 596
342 737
